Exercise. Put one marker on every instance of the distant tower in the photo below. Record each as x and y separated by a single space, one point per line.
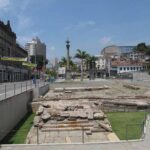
68 60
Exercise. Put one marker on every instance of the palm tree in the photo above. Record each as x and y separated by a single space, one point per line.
82 55
63 62
92 66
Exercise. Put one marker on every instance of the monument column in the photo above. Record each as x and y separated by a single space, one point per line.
68 76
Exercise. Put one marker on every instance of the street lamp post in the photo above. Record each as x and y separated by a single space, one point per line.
35 67
68 76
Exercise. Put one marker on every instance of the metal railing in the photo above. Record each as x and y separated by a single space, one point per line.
10 89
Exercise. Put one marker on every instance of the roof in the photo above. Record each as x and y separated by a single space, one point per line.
117 63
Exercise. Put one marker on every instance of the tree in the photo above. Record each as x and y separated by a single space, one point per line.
141 47
51 72
63 62
91 66
82 55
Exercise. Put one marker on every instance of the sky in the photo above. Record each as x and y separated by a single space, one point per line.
90 25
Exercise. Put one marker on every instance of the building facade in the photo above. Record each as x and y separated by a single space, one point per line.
8 45
114 51
100 64
119 67
125 51
11 71
111 51
36 51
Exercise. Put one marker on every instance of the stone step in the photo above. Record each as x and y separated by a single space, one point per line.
68 122
67 125
65 129
98 130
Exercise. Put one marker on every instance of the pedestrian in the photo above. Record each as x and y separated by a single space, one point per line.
34 81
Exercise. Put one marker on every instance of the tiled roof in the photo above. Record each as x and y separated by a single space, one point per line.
125 63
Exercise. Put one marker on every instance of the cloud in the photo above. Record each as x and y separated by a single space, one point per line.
4 4
81 25
22 39
24 22
85 24
52 48
17 10
25 4
106 40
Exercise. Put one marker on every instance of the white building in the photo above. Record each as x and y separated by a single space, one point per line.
137 56
61 71
119 67
36 48
100 62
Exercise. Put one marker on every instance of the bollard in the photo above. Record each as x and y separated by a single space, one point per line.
14 88
26 86
37 135
126 132
5 91
83 135
21 87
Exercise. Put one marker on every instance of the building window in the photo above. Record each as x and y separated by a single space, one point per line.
120 68
127 68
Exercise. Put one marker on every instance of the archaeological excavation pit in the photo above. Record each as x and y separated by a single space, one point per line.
76 114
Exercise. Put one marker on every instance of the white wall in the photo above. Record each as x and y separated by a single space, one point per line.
129 69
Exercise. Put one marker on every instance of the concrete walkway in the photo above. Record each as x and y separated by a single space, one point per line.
129 145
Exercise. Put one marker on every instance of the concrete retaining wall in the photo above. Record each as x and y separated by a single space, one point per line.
141 76
109 107
40 91
12 110
44 89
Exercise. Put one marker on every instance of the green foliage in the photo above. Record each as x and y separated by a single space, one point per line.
51 72
91 61
39 61
81 54
19 133
143 48
127 125
63 63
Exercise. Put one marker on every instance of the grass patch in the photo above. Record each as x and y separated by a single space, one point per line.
19 133
127 125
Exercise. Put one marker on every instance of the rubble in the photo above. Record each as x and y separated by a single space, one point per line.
46 105
71 115
105 126
36 121
40 110
98 116
133 87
